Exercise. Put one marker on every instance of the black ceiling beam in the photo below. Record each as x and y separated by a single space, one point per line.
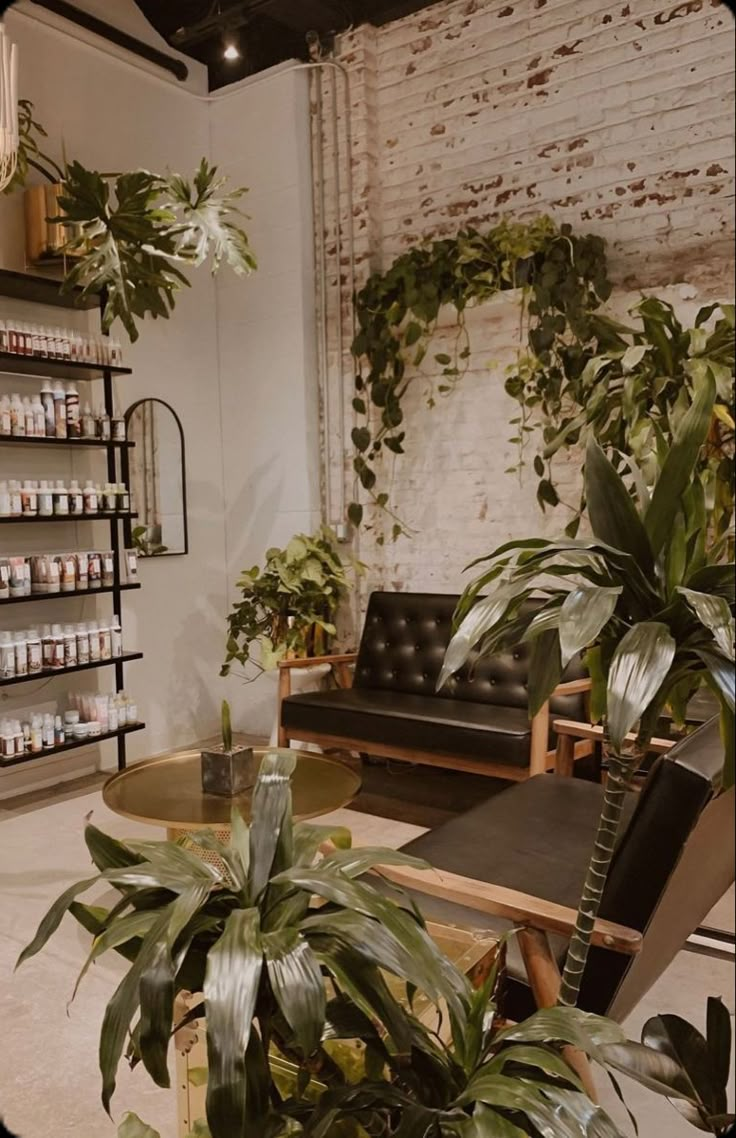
114 35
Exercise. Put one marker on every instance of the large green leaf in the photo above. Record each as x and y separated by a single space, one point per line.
53 918
125 1001
638 669
657 1071
130 927
486 1123
584 613
271 813
718 1041
308 838
528 1055
679 464
435 974
613 515
486 613
156 994
722 672
577 1108
517 1095
583 1030
675 1038
297 983
234 968
106 852
714 613
545 669
355 862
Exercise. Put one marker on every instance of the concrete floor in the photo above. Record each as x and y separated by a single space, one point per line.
49 1083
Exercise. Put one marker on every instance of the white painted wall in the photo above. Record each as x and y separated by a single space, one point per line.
114 116
266 335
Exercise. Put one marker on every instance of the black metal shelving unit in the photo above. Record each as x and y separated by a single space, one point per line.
47 674
70 444
43 290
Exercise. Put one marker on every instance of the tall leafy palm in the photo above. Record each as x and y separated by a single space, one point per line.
652 608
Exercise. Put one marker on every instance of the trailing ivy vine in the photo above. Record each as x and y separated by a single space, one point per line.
630 388
564 278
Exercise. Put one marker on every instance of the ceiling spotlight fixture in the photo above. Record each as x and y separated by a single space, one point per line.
230 47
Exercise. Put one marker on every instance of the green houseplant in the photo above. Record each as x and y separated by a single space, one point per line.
279 971
288 607
628 387
648 602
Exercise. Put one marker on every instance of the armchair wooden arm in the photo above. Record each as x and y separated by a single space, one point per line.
539 755
340 661
523 909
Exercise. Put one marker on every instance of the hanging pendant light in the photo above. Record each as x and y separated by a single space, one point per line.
8 108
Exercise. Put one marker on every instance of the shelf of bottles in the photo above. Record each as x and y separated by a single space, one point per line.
57 414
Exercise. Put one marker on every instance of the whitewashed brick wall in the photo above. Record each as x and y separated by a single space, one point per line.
615 117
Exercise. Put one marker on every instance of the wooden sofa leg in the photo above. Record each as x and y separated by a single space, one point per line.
539 742
565 756
544 981
284 692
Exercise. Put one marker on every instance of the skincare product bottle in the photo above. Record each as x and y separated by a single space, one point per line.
7 656
73 421
61 499
4 500
16 500
29 500
112 714
70 647
94 641
45 499
68 573
105 641
116 637
58 635
82 560
103 426
89 426
47 402
39 417
76 499
59 732
109 499
82 644
123 498
59 410
17 416
35 652
21 654
36 734
94 571
48 732
117 428
47 647
6 426
53 566
108 570
90 498
29 421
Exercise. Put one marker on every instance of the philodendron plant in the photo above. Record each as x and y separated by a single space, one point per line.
643 597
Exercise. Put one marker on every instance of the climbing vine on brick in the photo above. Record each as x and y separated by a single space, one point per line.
564 280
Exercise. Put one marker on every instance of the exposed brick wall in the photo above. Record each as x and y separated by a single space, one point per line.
615 117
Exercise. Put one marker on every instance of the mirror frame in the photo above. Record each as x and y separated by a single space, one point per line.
126 473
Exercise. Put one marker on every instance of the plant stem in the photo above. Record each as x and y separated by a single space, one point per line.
600 863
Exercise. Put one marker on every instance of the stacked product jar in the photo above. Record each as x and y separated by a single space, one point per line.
40 574
46 343
55 647
55 412
90 715
47 499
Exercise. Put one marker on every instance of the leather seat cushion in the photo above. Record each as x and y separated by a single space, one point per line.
427 723
536 837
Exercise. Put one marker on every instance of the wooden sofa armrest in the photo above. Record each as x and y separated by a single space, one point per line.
521 908
339 661
594 732
312 661
574 687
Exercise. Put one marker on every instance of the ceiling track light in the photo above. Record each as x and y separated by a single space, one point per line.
231 46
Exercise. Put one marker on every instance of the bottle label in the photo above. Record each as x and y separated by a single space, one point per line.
35 656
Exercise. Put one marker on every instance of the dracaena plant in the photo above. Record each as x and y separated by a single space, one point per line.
643 597
281 972
133 233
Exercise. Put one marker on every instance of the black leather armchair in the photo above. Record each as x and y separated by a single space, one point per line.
521 857
479 721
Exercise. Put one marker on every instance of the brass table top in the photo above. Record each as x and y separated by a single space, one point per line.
167 791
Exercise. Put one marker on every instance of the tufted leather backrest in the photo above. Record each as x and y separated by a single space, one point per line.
404 640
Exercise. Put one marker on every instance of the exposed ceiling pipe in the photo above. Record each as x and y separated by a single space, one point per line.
114 35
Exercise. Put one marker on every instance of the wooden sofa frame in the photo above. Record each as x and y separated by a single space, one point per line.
541 759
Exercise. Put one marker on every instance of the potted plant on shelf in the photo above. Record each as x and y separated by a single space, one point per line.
128 234
650 604
304 1033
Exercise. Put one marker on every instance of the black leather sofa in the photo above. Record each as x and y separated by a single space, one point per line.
478 722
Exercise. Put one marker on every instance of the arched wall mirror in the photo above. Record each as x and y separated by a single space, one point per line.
157 479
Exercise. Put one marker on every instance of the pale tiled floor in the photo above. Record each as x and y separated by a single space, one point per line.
49 1083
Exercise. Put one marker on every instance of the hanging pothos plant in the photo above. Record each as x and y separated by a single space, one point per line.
564 279
629 389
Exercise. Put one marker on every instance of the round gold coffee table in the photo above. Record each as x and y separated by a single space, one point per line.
167 791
